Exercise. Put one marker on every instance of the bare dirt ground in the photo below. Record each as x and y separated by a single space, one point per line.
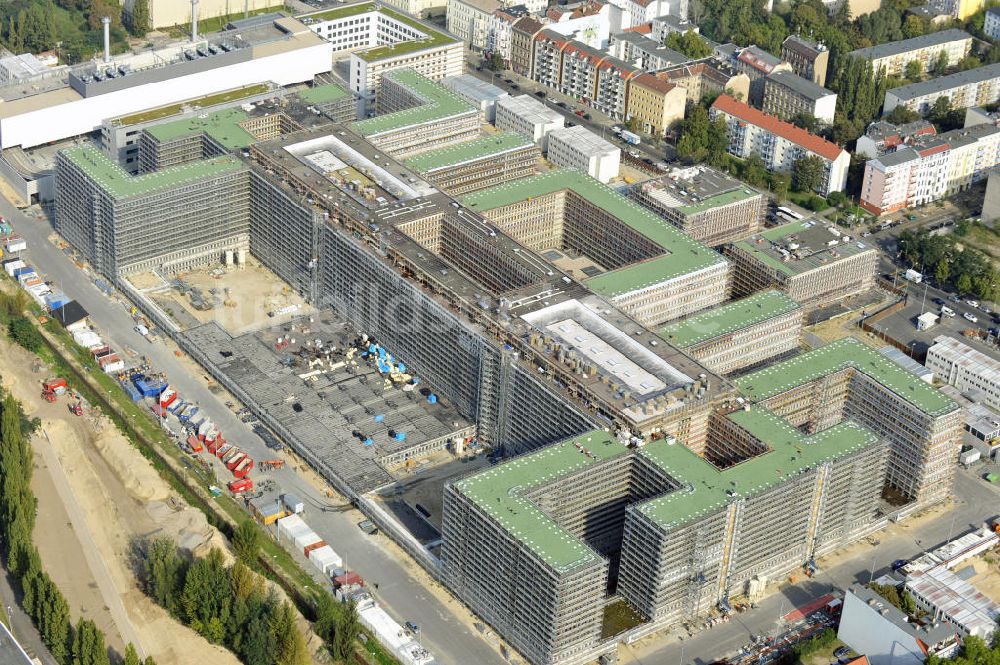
121 498
987 577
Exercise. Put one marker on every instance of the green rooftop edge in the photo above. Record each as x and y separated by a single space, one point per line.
842 354
499 491
439 103
722 199
684 254
728 318
323 94
222 126
206 101
470 151
434 37
120 185
794 266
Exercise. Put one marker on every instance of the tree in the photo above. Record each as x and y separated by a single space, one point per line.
495 63
754 171
900 115
247 542
913 26
806 121
939 110
207 596
138 23
24 333
88 645
780 182
808 173
940 63
963 283
689 43
693 144
717 143
290 646
164 574
941 272
914 70
131 655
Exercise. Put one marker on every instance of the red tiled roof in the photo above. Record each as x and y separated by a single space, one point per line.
860 660
785 130
589 54
527 25
934 149
642 28
653 83
549 35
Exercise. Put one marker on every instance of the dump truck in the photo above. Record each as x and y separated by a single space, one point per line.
52 388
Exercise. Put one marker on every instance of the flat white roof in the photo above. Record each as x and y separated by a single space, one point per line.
606 356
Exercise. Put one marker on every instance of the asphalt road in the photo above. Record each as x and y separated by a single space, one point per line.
975 502
403 596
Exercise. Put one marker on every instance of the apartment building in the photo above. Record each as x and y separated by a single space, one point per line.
757 64
581 149
590 22
740 334
172 220
929 168
417 115
381 40
486 162
808 59
811 261
966 368
471 21
477 92
547 65
522 45
973 87
787 95
614 80
656 103
991 23
528 117
779 144
707 205
637 260
925 49
645 53
579 70
883 137
708 77
662 26
501 32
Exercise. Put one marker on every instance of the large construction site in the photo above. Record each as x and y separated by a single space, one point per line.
518 320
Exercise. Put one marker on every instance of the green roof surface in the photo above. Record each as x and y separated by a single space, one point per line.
323 94
340 12
119 185
842 354
683 255
440 102
706 487
459 153
723 199
434 38
223 126
200 102
766 253
728 318
499 491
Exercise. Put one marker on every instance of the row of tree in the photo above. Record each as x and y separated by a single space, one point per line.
967 269
228 605
41 599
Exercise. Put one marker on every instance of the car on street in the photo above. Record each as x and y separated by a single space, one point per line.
939 301
551 99
842 654
570 124
514 86
972 303
616 129
971 317
539 93
954 298
412 627
947 311
561 105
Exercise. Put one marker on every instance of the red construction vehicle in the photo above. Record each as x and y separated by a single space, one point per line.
241 485
53 388
76 408
243 468
272 464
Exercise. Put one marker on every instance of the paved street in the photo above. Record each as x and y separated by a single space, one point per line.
975 501
450 640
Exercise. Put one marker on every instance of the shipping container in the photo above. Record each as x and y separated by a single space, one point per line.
325 559
313 546
244 468
234 460
223 448
241 485
348 579
195 444
293 503
287 524
305 539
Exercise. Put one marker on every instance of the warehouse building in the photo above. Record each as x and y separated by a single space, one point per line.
706 204
417 115
813 262
581 149
972 87
966 368
893 57
279 50
528 117
170 220
641 263
382 40
740 334
463 168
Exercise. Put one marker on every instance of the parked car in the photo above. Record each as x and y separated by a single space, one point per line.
561 105
947 311
954 298
971 317
412 627
514 86
897 564
539 93
972 303
939 301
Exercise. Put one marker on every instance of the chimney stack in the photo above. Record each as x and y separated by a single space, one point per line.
107 38
194 20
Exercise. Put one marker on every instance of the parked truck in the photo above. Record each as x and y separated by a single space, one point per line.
913 276
630 138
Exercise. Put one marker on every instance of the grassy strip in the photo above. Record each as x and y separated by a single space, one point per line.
217 23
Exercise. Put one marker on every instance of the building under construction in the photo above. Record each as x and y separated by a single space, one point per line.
486 162
813 262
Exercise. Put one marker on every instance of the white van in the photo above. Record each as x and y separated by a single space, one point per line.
947 311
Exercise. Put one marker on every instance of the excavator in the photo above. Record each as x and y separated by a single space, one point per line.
76 408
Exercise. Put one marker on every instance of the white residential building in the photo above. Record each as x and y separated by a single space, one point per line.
528 117
581 149
787 94
778 143
991 23
471 21
967 369
925 49
637 12
973 87
929 168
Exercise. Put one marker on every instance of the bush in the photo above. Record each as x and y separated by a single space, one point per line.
23 332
